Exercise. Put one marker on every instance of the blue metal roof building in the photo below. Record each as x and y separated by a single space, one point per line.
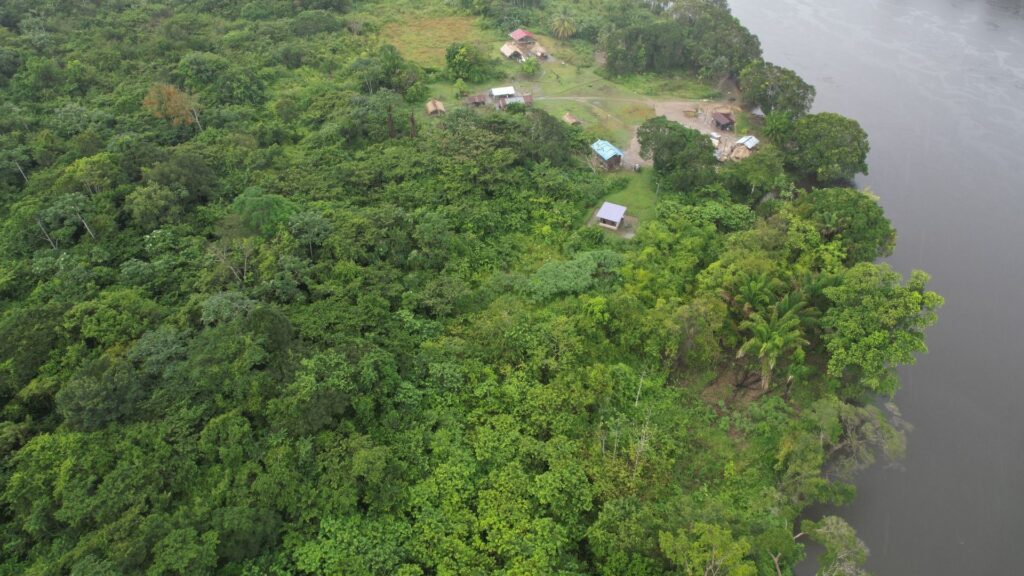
605 150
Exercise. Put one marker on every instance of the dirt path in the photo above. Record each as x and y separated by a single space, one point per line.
695 114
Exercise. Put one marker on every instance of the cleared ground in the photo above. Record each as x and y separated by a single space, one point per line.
424 40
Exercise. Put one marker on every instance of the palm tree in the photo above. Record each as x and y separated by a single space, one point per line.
753 293
563 25
772 338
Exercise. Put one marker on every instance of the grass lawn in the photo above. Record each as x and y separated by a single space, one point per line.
638 196
599 121
668 87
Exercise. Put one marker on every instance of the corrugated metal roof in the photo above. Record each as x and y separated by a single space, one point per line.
611 212
723 118
503 91
605 150
750 142
520 34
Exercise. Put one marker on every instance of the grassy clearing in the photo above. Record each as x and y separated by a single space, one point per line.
424 40
675 87
638 195
558 79
598 121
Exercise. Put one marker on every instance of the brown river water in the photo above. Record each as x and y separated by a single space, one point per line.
939 86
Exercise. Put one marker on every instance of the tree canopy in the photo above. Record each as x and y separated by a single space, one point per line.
776 89
829 147
260 314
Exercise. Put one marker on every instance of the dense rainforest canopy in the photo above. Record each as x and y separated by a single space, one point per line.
258 315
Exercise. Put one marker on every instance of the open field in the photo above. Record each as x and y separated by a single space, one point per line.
425 39
638 195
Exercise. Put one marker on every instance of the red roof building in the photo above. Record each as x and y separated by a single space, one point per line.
522 36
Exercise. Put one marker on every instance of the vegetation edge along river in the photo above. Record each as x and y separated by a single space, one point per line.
292 287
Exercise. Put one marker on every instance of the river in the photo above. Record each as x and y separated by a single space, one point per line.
939 87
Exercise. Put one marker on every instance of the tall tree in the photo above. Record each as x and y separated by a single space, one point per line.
875 324
563 25
829 147
772 338
853 217
172 104
682 156
776 89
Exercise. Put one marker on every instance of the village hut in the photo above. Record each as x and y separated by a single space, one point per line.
476 100
748 142
611 157
503 103
503 92
611 215
512 51
723 120
521 36
571 120
435 107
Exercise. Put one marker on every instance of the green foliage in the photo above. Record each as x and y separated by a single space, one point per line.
845 554
708 549
701 37
574 276
829 147
683 157
776 89
465 62
260 212
851 217
876 323
258 317
530 67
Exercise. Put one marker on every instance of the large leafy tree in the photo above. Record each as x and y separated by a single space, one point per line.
829 147
852 217
682 156
776 89
875 324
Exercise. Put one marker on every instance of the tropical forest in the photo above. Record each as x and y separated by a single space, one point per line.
287 288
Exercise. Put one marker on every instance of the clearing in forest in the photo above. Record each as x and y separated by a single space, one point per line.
424 40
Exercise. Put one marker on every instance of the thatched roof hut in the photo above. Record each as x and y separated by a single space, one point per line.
435 107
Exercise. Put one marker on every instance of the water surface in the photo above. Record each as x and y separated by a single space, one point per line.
939 86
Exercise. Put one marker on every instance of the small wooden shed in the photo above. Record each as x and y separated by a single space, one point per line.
723 120
512 51
611 157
